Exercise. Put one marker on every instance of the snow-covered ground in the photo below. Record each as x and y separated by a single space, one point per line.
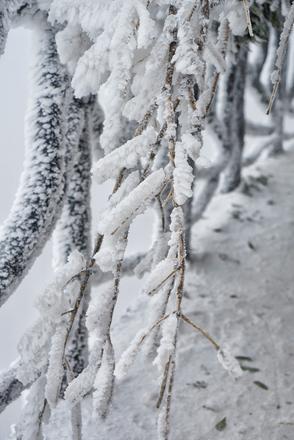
239 288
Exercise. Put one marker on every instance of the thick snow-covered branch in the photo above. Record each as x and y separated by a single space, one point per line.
38 200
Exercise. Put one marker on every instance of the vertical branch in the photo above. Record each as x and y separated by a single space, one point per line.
73 232
278 106
232 173
281 55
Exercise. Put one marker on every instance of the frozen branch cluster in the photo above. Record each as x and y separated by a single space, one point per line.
135 84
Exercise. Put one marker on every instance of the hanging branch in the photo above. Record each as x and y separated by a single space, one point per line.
232 173
12 387
73 232
281 56
38 200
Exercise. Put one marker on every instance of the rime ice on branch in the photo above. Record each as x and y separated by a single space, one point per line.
145 77
39 197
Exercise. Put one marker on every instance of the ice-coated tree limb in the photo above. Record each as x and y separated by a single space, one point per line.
95 129
73 232
223 133
10 387
73 226
232 174
282 38
188 210
128 267
279 106
231 138
39 197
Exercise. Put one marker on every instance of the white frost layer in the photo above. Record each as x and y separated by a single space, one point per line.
167 342
98 320
58 298
55 369
183 175
135 203
160 274
236 17
125 156
103 384
129 355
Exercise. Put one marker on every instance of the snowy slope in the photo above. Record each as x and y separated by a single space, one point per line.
240 288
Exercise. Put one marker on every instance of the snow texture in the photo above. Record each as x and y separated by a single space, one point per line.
98 321
57 299
129 355
38 200
133 204
126 156
183 175
166 348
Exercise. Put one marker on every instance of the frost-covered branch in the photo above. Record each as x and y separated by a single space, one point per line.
150 80
10 387
232 173
281 55
39 198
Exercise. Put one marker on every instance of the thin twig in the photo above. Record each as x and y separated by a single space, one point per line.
158 322
40 416
273 95
151 292
146 118
200 330
248 18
